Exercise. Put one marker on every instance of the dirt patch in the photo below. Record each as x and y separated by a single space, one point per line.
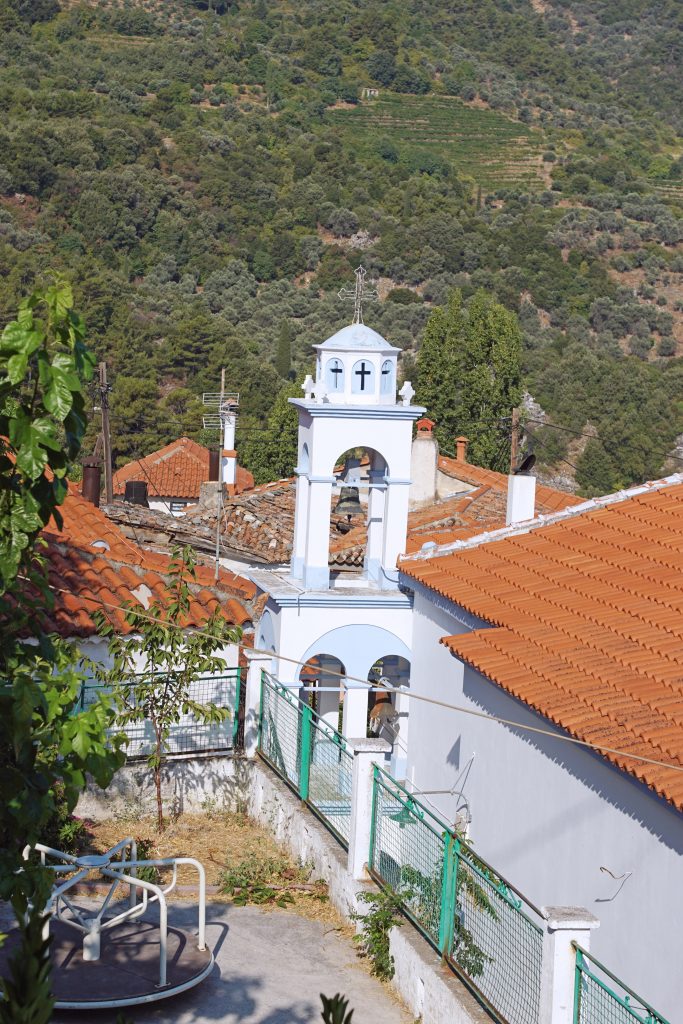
220 840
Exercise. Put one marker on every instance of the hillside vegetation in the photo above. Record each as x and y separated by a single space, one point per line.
208 174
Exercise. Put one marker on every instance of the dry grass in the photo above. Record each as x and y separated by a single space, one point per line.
220 840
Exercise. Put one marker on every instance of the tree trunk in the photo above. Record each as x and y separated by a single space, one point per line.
160 806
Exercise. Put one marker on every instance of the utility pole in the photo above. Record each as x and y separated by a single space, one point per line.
106 434
514 441
220 478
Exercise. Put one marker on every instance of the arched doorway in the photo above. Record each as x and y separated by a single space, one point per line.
321 687
388 711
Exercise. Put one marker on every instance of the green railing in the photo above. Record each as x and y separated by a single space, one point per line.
187 735
600 998
488 931
308 754
480 923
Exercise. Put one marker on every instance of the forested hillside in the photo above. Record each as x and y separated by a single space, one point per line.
208 174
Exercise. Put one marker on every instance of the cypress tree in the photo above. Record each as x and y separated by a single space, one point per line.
283 357
469 375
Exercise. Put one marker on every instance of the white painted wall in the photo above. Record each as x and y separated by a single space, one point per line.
548 814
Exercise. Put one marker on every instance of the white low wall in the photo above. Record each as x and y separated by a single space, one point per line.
428 987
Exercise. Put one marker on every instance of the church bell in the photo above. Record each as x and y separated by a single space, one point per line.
349 503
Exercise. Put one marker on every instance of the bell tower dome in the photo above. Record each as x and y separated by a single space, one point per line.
356 366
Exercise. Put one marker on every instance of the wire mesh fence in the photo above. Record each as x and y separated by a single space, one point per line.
188 735
280 732
330 779
309 754
600 998
472 916
407 852
489 932
497 940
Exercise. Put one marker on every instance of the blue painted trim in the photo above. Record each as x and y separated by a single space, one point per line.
379 599
359 412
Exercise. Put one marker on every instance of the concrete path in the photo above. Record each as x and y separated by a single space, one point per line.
271 967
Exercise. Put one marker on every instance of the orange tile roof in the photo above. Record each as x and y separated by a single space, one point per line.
588 617
548 499
175 471
92 565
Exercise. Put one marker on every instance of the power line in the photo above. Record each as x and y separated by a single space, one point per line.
345 678
629 445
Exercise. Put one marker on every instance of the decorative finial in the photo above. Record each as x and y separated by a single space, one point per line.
407 392
358 294
307 387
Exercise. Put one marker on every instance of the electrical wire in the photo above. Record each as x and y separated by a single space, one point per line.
628 446
345 678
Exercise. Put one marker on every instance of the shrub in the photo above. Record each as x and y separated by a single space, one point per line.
403 296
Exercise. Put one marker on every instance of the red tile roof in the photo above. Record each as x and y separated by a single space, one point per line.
548 499
587 611
175 471
92 565
260 523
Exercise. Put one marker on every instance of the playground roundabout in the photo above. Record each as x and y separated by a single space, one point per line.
107 952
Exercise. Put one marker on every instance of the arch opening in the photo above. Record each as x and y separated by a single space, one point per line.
320 679
388 711
357 511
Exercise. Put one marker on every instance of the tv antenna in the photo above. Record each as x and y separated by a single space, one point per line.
223 418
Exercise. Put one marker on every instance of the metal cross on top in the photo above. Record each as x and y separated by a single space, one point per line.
358 294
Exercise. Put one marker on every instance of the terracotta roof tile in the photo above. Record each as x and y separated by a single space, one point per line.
587 616
175 471
92 565
548 499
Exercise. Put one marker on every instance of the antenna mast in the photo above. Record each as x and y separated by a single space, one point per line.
223 420
104 390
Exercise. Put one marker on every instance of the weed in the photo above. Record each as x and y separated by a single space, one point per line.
146 851
334 1009
268 880
373 940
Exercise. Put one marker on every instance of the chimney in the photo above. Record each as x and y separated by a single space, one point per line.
228 454
521 498
461 448
423 464
136 493
214 463
91 485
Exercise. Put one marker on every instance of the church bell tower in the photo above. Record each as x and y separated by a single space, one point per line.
352 403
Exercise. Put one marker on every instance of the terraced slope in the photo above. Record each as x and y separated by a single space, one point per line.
483 144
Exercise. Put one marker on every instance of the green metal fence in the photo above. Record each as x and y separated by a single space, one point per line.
187 735
486 929
309 754
480 923
600 998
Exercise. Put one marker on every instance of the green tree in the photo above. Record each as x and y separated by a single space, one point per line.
439 366
283 357
174 657
46 746
272 454
469 375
